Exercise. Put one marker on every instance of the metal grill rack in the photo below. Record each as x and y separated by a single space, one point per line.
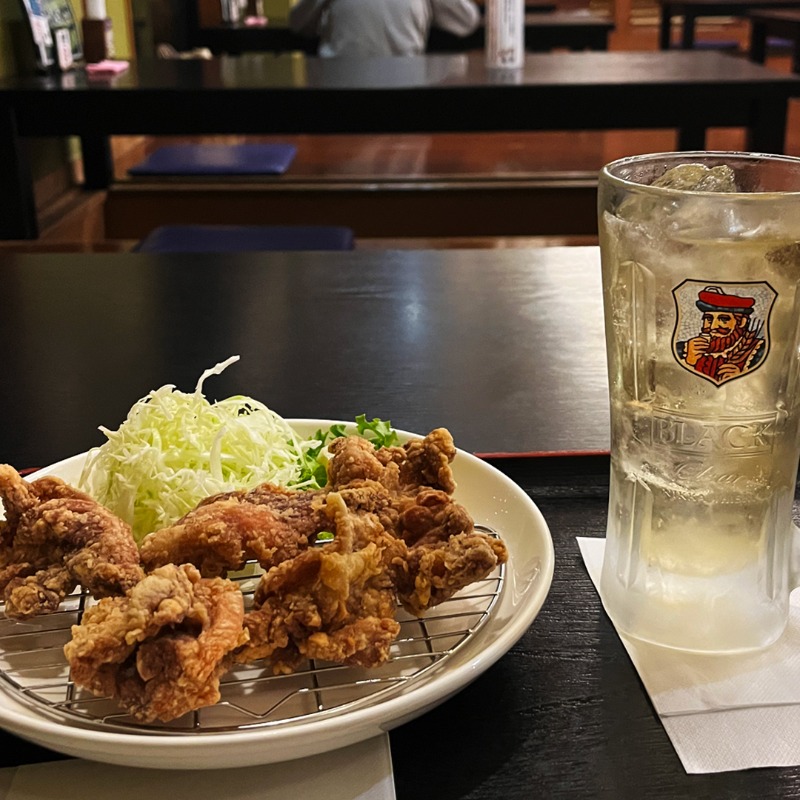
34 671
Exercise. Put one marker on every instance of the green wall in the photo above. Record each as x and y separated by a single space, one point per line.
6 47
12 36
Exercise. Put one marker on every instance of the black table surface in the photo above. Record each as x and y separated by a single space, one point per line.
780 23
269 81
574 30
286 93
725 7
494 344
469 339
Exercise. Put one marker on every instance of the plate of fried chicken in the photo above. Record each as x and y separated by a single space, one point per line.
266 624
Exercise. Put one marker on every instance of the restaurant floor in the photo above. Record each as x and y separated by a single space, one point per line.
75 220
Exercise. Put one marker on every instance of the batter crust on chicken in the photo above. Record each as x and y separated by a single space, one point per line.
335 603
55 538
434 572
268 523
160 649
419 462
409 489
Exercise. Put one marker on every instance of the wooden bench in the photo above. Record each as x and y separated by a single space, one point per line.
530 205
783 24
389 186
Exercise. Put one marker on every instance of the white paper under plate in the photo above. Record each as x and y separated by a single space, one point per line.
492 499
362 771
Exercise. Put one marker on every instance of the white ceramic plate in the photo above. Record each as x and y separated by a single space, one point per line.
491 498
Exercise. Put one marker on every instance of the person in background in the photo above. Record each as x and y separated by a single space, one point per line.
380 27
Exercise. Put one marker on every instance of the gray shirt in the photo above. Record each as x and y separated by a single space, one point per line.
380 27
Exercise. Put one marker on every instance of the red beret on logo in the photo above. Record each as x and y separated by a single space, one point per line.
712 298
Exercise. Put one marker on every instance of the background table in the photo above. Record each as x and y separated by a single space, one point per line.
473 340
783 24
545 28
239 37
268 94
692 9
573 30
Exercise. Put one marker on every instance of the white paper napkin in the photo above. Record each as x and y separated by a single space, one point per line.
721 713
361 771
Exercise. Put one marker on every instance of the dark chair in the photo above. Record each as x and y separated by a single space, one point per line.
241 238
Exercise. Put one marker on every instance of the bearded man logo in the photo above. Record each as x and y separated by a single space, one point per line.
730 335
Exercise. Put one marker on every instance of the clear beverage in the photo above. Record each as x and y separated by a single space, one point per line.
703 334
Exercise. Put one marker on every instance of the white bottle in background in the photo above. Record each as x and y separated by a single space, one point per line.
96 9
505 33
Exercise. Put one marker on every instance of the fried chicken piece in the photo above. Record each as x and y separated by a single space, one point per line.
55 538
419 462
430 516
334 603
268 523
425 462
409 490
434 572
162 648
390 483
352 458
271 524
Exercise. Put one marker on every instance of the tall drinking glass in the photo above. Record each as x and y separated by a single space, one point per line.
701 271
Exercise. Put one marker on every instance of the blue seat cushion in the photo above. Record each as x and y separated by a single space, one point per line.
217 159
242 238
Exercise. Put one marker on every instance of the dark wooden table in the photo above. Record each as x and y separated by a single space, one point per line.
269 94
420 339
235 38
783 24
505 348
571 30
690 10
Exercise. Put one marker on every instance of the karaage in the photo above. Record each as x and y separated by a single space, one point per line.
334 603
160 649
169 624
268 524
55 538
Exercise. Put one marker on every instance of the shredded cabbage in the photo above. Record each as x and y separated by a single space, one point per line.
174 449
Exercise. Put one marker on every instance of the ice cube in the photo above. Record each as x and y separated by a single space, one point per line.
698 178
690 210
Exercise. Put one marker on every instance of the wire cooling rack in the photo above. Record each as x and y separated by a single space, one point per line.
33 670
